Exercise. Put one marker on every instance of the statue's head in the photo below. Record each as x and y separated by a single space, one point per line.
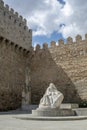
51 88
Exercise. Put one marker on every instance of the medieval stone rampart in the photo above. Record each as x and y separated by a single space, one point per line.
63 64
14 27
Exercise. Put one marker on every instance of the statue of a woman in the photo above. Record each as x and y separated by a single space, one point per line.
52 98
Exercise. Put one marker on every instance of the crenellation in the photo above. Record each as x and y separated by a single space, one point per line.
16 14
45 46
7 7
69 40
85 36
25 21
78 38
30 31
20 17
25 28
52 44
38 47
12 11
60 42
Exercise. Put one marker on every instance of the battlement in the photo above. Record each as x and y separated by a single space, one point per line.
70 49
12 15
15 17
14 27
69 41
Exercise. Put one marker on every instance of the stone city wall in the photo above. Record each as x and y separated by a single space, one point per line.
13 63
65 65
14 27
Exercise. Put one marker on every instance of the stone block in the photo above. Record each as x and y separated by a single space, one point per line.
69 106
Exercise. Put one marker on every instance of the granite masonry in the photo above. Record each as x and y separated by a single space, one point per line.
65 65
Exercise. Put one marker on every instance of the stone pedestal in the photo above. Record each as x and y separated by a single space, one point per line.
53 112
69 106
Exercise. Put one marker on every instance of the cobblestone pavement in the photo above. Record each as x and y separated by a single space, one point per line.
8 122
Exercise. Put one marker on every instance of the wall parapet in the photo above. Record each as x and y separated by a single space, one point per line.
69 41
10 13
70 48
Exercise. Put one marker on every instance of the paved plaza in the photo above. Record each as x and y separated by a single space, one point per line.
9 122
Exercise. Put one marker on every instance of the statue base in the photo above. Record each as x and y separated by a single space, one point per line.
53 112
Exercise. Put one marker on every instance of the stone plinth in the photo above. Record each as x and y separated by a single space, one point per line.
53 112
68 106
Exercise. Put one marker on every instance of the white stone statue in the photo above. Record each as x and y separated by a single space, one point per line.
52 98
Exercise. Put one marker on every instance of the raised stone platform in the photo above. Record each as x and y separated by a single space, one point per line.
67 118
53 112
81 111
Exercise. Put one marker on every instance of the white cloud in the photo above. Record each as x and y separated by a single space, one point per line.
67 10
46 16
76 21
70 30
43 20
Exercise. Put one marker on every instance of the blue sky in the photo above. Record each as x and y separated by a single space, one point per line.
52 20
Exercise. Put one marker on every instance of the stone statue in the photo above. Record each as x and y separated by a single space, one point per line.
52 98
50 104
